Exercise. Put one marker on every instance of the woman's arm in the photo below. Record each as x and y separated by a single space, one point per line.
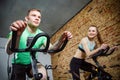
87 50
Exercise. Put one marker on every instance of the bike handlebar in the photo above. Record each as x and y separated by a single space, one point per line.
103 52
30 49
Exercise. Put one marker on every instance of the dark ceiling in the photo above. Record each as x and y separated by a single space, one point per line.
55 13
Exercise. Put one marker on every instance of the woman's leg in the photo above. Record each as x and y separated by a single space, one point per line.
74 69
89 67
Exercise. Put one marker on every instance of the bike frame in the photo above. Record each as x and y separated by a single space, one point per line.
102 75
36 75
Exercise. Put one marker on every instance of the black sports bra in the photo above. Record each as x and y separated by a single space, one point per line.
81 49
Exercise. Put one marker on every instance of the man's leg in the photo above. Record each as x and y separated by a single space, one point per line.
18 72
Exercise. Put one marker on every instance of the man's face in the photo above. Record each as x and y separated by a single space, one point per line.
34 18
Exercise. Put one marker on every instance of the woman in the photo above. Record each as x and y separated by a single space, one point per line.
86 49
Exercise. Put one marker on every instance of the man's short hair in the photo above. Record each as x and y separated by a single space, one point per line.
33 9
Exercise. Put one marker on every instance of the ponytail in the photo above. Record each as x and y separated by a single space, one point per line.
99 38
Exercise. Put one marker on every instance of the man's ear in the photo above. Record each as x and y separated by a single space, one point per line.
26 18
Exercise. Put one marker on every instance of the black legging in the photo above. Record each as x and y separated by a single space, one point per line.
77 64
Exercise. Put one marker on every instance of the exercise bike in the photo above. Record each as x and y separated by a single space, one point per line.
101 73
31 42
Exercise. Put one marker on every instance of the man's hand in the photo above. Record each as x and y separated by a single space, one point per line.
18 26
60 42
67 35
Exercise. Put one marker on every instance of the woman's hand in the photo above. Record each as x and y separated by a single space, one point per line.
114 48
103 46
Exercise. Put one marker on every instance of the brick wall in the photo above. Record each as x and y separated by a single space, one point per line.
106 15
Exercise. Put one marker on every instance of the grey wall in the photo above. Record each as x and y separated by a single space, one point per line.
55 13
45 59
3 60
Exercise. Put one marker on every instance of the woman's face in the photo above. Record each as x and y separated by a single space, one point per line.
92 32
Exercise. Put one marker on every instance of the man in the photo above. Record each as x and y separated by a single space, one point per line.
25 29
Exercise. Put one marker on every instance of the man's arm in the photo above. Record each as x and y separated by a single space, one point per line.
8 45
57 45
18 26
